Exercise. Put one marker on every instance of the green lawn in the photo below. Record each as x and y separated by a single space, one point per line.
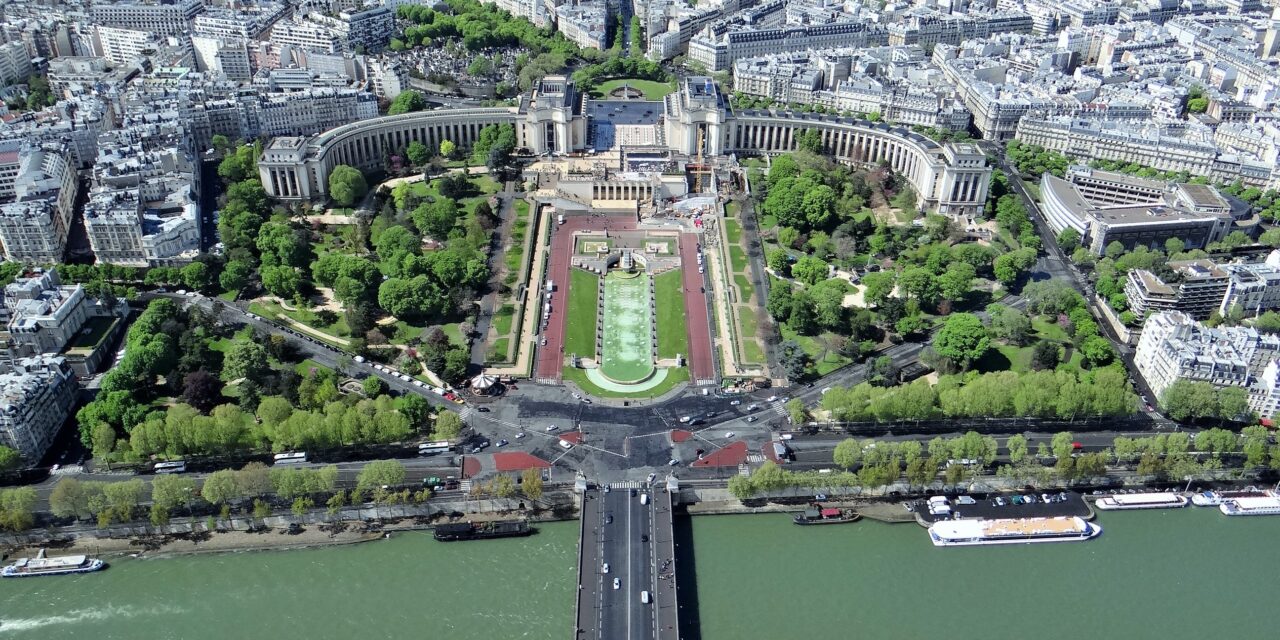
1049 330
580 330
303 368
768 221
733 230
503 318
652 90
812 345
579 377
737 258
673 336
747 321
745 288
500 351
310 318
752 353
1033 188
732 209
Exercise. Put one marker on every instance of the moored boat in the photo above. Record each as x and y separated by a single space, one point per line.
482 530
1124 501
819 515
41 565
1253 506
1215 498
969 532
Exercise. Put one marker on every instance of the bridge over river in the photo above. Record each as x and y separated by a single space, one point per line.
626 548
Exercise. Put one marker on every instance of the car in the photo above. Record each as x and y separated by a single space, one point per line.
633 493
1015 500
825 390
482 409
617 583
672 462
182 292
503 443
751 418
752 407
644 537
820 497
1000 501
419 383
685 419
608 519
1076 446
651 477
605 568
786 436
771 399
1047 498
728 434
734 403
566 445
551 427
520 434
607 488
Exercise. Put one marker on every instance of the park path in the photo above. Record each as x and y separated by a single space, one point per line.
529 319
702 363
489 302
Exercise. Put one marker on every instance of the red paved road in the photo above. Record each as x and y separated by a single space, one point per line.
701 365
730 455
518 461
551 356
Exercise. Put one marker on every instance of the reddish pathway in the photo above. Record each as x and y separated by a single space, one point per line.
730 455
551 356
701 364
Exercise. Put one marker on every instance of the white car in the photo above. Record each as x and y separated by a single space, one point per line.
520 435
735 403
605 568
752 407
673 462
651 477
728 434
617 583
551 427
771 398
566 445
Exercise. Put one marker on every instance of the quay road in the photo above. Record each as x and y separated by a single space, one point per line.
635 541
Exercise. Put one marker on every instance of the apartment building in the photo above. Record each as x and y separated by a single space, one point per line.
35 400
122 46
42 315
34 226
163 17
15 63
584 23
1196 288
1173 347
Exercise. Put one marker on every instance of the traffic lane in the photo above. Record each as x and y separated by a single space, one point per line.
641 624
589 593
616 607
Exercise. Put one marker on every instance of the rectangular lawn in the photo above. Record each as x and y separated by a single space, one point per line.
580 323
673 334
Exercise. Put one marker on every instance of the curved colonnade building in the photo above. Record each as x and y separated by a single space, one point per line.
555 120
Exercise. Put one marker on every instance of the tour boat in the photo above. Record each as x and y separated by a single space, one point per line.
45 566
483 530
1215 498
1122 501
1260 506
969 531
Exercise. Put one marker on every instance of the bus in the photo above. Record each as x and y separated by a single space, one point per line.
299 457
432 448
177 466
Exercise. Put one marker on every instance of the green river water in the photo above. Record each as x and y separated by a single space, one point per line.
1188 573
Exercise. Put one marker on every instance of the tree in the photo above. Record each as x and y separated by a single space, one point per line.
17 508
197 275
221 487
810 270
70 498
957 281
448 148
373 386
169 491
920 283
1185 400
235 276
848 453
407 102
201 390
1062 444
347 185
779 261
531 483
1197 105
1017 446
447 427
245 359
793 359
1233 404
962 339
796 412
1009 324
380 473
879 286
1097 351
254 479
1068 239
11 459
418 153
1045 355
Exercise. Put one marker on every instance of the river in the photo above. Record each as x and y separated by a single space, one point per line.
1169 574
1188 573
409 586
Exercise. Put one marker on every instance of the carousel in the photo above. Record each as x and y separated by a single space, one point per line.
484 385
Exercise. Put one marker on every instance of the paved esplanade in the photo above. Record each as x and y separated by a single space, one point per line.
636 542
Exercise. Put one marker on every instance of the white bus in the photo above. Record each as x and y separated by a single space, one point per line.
299 457
432 448
177 466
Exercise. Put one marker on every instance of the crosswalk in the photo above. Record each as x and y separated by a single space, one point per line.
778 407
630 484
755 458
466 412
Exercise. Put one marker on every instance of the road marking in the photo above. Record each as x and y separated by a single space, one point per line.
630 576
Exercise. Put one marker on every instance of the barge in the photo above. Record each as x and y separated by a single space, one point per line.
1124 501
1254 506
482 530
1215 498
818 515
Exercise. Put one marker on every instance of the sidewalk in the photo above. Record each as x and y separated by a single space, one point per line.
528 322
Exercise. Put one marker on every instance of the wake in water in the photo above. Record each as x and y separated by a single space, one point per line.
87 615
